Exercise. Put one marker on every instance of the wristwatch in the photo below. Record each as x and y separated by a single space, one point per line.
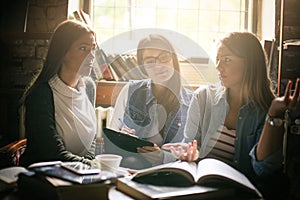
274 121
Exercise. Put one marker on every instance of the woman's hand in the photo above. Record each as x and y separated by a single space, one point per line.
271 139
127 130
153 154
187 152
291 102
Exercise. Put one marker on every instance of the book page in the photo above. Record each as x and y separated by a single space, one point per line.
170 174
56 182
212 167
10 174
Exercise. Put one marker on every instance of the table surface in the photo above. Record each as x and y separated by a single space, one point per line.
114 194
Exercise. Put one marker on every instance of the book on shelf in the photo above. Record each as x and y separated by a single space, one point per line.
118 69
85 17
135 70
82 16
147 191
102 68
77 16
208 172
129 73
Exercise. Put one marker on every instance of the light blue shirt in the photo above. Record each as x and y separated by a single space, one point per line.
207 112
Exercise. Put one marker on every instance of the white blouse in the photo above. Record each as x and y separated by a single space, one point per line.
74 115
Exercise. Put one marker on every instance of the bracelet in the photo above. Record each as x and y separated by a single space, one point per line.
274 121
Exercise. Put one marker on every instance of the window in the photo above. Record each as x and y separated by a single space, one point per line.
193 27
203 21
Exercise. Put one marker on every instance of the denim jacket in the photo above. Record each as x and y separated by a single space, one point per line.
209 104
143 114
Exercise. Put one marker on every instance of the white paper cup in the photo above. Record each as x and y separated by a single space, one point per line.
109 162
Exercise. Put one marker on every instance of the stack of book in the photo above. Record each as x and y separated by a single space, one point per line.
117 67
58 180
125 67
112 67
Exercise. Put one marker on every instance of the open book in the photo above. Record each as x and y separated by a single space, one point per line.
147 191
208 172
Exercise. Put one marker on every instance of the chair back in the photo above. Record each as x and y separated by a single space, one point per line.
10 153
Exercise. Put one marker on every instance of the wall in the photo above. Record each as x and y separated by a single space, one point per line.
26 28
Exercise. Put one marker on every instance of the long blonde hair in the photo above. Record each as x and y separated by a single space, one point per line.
256 85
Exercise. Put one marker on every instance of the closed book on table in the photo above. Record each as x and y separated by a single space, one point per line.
53 181
36 186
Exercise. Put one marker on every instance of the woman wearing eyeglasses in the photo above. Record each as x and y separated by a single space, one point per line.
153 109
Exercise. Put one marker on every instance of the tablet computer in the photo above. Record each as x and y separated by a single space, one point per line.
124 141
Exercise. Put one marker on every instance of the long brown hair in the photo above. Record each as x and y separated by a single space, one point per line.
65 34
256 85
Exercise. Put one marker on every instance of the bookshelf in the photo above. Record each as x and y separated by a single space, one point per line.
288 38
108 91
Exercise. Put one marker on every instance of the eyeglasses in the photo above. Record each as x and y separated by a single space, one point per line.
162 58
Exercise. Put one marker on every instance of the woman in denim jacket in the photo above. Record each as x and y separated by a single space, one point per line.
226 120
154 109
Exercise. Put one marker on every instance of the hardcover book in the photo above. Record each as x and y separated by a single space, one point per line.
50 180
33 185
147 191
208 172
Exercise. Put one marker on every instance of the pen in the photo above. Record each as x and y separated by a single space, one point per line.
122 123
126 129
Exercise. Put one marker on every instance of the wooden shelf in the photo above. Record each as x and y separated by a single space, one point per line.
107 92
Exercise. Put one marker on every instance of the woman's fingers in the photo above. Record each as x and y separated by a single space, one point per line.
146 149
127 130
177 152
183 151
296 92
292 101
174 145
191 153
195 153
287 93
